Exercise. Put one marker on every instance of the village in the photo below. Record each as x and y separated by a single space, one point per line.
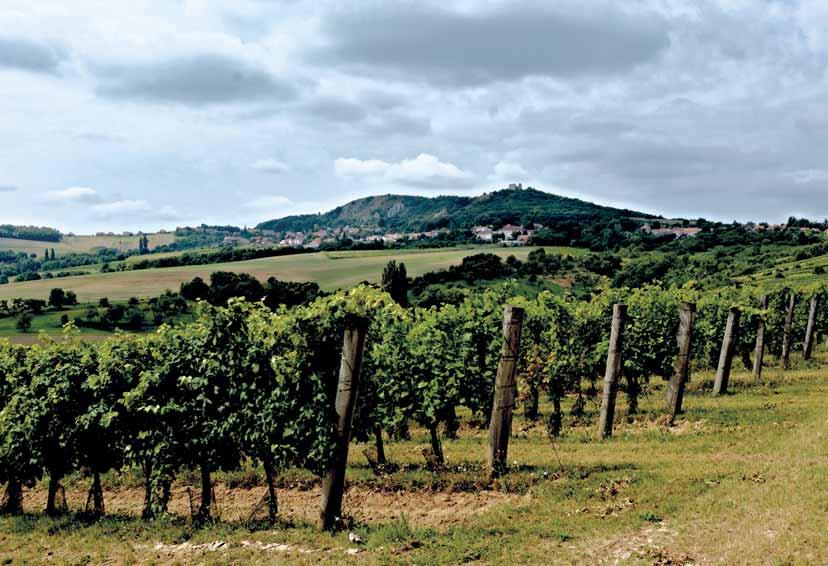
506 235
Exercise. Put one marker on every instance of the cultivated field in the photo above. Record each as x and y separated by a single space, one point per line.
83 243
739 479
332 270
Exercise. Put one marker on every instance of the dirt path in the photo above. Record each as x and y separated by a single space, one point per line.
364 505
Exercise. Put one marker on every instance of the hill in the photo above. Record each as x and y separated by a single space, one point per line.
84 244
413 213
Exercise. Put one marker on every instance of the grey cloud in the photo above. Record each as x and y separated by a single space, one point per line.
7 188
665 160
383 100
19 53
452 48
399 125
600 127
196 80
335 110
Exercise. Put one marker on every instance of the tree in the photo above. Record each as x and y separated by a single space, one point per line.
395 282
71 298
225 285
195 289
24 322
57 298
143 245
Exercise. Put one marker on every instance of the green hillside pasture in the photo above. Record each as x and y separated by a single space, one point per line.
331 271
82 244
794 273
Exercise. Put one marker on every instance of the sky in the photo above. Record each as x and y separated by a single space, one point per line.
150 114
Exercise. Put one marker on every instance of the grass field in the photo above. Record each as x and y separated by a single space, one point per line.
83 243
332 270
739 479
794 273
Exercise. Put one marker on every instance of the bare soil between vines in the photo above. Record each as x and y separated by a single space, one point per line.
419 508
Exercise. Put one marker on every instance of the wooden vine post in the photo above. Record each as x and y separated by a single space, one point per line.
726 355
500 427
809 332
786 337
681 371
759 352
333 484
613 371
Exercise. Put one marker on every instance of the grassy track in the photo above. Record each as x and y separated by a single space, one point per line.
739 480
331 270
83 243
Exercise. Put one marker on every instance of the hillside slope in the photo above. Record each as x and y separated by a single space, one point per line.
405 213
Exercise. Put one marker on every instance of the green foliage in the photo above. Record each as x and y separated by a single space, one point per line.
245 382
395 282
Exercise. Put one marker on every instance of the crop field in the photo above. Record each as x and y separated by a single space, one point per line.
331 271
738 479
84 243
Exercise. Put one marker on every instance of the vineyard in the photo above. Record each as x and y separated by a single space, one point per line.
289 390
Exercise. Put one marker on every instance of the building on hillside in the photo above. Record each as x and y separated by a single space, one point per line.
675 231
510 231
235 241
483 233
262 241
293 239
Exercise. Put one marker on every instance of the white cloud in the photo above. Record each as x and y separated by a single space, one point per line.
508 171
121 208
424 171
351 167
134 209
806 176
74 195
271 165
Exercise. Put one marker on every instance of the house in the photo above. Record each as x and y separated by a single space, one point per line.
511 231
483 233
676 232
235 241
293 239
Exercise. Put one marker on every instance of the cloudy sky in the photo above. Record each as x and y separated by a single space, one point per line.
155 113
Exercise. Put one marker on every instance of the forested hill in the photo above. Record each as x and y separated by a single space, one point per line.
38 233
412 213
